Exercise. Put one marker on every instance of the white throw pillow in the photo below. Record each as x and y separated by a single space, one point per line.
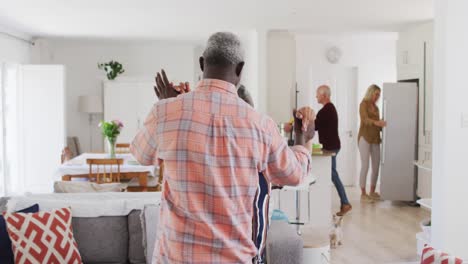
150 222
86 187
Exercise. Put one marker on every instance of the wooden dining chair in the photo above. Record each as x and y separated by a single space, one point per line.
104 164
153 185
122 148
161 173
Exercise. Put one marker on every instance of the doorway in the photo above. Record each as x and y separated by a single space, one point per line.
343 82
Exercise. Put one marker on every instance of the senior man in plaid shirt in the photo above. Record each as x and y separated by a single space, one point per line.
213 145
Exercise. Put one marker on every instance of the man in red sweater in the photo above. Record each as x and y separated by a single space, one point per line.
326 123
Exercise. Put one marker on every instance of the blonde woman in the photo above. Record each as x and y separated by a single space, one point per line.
369 141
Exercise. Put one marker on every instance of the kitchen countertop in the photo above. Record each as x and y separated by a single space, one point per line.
323 153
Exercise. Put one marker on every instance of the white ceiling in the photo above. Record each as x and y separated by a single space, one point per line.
193 19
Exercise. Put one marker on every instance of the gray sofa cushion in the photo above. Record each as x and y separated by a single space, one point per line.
102 239
284 245
136 252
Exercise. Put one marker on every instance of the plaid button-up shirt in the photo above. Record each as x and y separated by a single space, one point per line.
213 145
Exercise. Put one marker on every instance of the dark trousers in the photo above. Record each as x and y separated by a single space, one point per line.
337 181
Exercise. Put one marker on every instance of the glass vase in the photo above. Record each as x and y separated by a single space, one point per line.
111 146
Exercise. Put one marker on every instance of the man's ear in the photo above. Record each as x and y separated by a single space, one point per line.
239 68
202 63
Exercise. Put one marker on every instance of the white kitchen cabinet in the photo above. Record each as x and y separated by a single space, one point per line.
129 101
415 61
424 189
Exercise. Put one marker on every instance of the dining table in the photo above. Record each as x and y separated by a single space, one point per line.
77 169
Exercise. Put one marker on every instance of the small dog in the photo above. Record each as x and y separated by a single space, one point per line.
336 234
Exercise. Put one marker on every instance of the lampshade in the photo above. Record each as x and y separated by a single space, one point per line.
90 104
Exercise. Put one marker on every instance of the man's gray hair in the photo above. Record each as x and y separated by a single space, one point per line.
222 49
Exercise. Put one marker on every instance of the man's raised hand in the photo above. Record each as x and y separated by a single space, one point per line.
165 89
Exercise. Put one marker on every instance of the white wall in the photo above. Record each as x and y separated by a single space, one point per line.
198 74
14 51
281 52
140 60
450 136
410 61
374 54
262 70
250 78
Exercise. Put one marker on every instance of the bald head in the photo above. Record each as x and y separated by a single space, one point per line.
323 94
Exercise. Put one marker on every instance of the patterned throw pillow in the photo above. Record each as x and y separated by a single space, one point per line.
43 237
6 254
432 256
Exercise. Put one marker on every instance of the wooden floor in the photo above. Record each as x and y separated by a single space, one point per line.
383 232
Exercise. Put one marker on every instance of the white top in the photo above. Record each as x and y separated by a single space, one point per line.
78 166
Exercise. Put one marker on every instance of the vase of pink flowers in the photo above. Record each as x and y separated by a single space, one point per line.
111 130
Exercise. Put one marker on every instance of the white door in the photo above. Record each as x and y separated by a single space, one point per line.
41 125
343 84
346 104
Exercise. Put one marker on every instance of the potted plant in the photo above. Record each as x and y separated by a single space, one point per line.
112 68
111 130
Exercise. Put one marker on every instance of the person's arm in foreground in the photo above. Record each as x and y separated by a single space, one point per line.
289 165
144 145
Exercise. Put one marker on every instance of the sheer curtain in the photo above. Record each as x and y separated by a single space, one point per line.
2 170
32 127
9 141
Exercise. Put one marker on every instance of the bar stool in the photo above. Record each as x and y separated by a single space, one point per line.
304 186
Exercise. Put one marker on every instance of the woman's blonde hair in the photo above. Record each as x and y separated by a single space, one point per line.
371 91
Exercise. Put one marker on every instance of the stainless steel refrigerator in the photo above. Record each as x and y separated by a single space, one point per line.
399 142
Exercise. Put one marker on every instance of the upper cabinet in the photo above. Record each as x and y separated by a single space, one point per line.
415 62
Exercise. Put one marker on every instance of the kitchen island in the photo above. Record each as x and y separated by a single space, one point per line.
314 202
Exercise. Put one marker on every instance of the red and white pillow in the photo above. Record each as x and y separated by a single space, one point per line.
432 256
43 237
